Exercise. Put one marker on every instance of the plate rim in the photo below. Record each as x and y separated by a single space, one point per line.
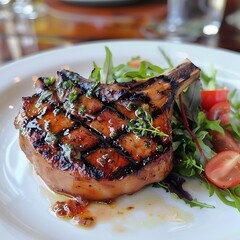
94 42
102 42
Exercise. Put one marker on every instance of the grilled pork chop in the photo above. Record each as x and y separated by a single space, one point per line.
99 141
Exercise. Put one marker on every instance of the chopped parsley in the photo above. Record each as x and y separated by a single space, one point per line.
67 84
82 110
92 89
51 138
159 148
49 81
67 150
73 95
44 96
57 111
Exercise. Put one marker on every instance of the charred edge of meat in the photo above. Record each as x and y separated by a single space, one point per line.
95 172
33 125
110 95
139 85
129 84
182 72
67 75
174 87
39 142
41 83
130 168
65 163
47 152
107 94
71 79
137 96
27 99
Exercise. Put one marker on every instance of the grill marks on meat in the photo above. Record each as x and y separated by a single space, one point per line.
79 129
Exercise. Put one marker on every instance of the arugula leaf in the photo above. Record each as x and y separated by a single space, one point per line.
196 203
174 184
168 60
154 68
202 121
235 111
123 72
106 73
230 197
209 82
95 74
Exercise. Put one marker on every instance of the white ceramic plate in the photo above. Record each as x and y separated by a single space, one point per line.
25 201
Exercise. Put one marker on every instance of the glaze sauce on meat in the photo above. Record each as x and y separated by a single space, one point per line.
101 141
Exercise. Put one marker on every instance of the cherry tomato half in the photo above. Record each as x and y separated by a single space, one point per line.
220 111
211 97
224 142
223 169
135 63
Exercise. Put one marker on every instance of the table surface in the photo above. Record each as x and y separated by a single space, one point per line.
63 24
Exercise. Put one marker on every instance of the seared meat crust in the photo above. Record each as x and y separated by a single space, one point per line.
76 132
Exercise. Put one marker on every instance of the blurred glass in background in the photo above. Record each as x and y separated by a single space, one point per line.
19 36
189 19
31 26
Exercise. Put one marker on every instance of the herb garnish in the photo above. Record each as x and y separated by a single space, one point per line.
143 125
51 138
82 110
92 89
73 95
235 111
67 150
49 81
67 84
44 96
70 152
57 111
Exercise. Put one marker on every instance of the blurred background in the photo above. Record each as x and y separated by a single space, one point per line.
28 27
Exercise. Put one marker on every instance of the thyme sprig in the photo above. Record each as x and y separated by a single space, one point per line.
143 125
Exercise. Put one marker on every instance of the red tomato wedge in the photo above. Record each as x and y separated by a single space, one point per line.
224 142
223 170
211 97
220 111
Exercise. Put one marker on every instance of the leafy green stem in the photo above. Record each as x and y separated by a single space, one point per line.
186 124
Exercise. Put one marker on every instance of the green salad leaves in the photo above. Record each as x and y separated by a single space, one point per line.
123 72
